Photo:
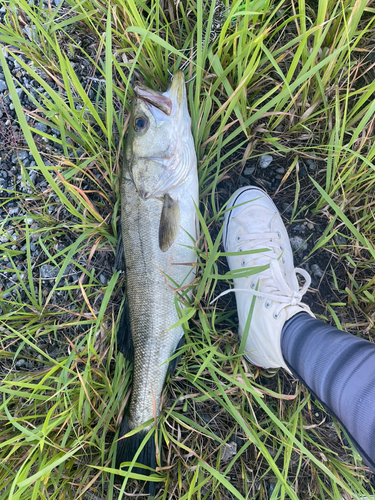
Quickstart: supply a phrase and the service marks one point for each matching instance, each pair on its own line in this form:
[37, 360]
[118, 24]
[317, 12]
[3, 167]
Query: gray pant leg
[339, 369]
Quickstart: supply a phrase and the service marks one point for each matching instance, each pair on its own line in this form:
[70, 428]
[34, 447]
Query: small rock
[20, 94]
[243, 181]
[298, 243]
[22, 155]
[13, 211]
[302, 172]
[3, 86]
[228, 451]
[249, 170]
[102, 279]
[47, 271]
[54, 353]
[265, 160]
[311, 164]
[271, 487]
[339, 240]
[298, 227]
[30, 32]
[310, 225]
[41, 126]
[315, 269]
[20, 363]
[280, 170]
[266, 184]
[32, 247]
[288, 209]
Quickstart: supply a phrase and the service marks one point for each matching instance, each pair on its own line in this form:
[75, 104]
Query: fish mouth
[177, 88]
[167, 102]
[155, 98]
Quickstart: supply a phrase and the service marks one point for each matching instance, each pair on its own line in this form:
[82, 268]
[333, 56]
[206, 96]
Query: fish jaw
[160, 156]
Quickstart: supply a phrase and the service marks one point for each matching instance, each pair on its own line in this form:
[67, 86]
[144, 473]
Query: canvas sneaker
[254, 224]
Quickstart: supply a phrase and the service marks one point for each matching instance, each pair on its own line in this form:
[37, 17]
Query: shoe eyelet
[268, 304]
[243, 263]
[240, 249]
[276, 316]
[261, 298]
[252, 285]
[279, 235]
[238, 238]
[281, 248]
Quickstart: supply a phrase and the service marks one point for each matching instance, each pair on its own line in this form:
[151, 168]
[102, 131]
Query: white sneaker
[254, 223]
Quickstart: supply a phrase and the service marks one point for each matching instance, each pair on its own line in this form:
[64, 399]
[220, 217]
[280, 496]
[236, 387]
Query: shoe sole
[232, 202]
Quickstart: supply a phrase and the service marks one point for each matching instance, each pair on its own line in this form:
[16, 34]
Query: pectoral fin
[169, 223]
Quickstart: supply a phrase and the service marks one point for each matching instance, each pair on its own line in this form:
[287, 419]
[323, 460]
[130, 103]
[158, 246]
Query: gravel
[249, 171]
[311, 164]
[48, 272]
[316, 270]
[20, 177]
[340, 240]
[228, 451]
[265, 161]
[41, 126]
[298, 243]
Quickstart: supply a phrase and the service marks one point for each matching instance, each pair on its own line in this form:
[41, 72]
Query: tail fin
[127, 448]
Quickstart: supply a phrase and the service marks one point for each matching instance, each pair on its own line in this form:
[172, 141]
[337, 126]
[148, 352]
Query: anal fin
[124, 337]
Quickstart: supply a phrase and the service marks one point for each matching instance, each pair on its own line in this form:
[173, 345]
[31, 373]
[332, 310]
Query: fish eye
[140, 123]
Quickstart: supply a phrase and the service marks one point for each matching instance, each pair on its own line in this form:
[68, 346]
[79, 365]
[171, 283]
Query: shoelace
[275, 287]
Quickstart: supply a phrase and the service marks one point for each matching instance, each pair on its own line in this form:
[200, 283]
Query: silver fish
[159, 191]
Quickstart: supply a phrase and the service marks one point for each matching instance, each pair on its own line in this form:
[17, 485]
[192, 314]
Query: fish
[159, 228]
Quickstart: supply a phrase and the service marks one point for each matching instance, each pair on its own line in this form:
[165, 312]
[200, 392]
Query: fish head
[160, 149]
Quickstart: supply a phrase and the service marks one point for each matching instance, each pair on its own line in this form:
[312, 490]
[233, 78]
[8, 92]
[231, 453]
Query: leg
[337, 367]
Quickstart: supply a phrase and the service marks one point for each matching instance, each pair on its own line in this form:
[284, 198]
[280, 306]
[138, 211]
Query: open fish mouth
[167, 102]
[154, 98]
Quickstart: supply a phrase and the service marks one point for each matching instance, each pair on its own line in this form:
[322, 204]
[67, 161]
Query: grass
[291, 78]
